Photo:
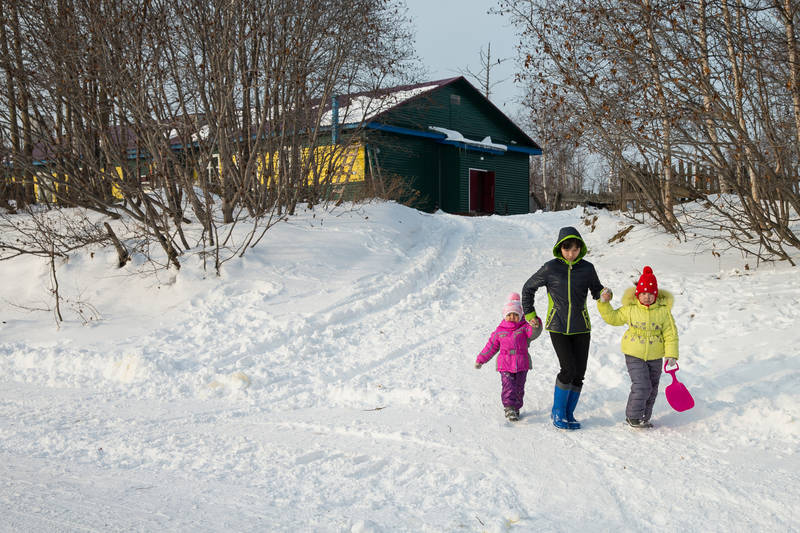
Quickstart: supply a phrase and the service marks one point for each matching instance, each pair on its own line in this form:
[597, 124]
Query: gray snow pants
[645, 376]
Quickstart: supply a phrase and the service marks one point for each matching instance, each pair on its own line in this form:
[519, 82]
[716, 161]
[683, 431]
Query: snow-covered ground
[325, 383]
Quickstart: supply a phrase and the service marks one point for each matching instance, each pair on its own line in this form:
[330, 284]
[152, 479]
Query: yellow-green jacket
[652, 333]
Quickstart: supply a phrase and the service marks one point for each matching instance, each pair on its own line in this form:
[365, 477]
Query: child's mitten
[606, 295]
[536, 324]
[478, 365]
[671, 362]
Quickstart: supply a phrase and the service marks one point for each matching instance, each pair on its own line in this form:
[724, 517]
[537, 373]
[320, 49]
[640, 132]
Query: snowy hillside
[325, 383]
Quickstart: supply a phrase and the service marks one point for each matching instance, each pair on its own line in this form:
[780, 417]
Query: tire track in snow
[350, 330]
[473, 264]
[433, 260]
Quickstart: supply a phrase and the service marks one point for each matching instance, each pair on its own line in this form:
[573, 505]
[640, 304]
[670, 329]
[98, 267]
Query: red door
[487, 205]
[481, 191]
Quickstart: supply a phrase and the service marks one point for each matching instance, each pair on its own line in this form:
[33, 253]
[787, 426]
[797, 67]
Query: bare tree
[653, 83]
[165, 113]
[483, 77]
[560, 168]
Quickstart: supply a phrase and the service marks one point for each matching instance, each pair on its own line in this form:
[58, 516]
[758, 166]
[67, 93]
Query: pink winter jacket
[511, 339]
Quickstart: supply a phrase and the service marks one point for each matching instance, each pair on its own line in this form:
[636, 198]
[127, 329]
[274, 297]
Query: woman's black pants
[573, 353]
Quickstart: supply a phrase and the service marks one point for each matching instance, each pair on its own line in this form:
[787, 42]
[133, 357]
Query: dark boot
[559, 412]
[638, 423]
[572, 401]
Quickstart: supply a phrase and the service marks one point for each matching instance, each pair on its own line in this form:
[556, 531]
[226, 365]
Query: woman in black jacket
[568, 278]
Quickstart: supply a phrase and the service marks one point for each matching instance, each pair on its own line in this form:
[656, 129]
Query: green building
[446, 141]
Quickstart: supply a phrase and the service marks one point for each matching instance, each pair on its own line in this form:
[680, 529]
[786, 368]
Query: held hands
[536, 326]
[671, 362]
[478, 365]
[606, 295]
[534, 320]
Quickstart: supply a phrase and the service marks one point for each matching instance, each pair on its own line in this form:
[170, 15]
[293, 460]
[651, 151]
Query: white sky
[450, 35]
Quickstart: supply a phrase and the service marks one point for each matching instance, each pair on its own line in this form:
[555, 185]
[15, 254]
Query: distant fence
[689, 182]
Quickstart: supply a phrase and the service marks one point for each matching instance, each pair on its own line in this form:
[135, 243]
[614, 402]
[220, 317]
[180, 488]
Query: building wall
[440, 172]
[414, 159]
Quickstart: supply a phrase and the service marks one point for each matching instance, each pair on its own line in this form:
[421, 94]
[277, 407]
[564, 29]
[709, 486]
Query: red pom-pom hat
[647, 282]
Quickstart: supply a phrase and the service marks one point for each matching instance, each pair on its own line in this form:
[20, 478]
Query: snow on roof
[353, 108]
[456, 136]
[364, 107]
[202, 134]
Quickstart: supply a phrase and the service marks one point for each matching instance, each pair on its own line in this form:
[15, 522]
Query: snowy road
[325, 383]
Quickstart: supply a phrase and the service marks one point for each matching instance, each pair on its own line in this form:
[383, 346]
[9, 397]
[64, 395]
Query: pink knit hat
[513, 305]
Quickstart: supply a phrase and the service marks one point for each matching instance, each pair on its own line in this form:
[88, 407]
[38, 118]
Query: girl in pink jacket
[511, 339]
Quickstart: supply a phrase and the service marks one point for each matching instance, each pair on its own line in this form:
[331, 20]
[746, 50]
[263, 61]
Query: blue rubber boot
[572, 400]
[559, 413]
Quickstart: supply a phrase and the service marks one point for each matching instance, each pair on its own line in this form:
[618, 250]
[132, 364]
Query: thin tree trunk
[793, 54]
[24, 108]
[738, 100]
[544, 178]
[666, 124]
[11, 100]
[707, 87]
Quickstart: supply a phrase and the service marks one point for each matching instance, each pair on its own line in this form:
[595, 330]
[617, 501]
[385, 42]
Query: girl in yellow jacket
[651, 336]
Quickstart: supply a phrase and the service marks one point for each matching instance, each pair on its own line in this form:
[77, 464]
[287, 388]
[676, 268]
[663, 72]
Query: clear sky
[450, 35]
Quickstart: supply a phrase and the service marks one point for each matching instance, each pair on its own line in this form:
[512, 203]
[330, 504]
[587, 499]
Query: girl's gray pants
[645, 376]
